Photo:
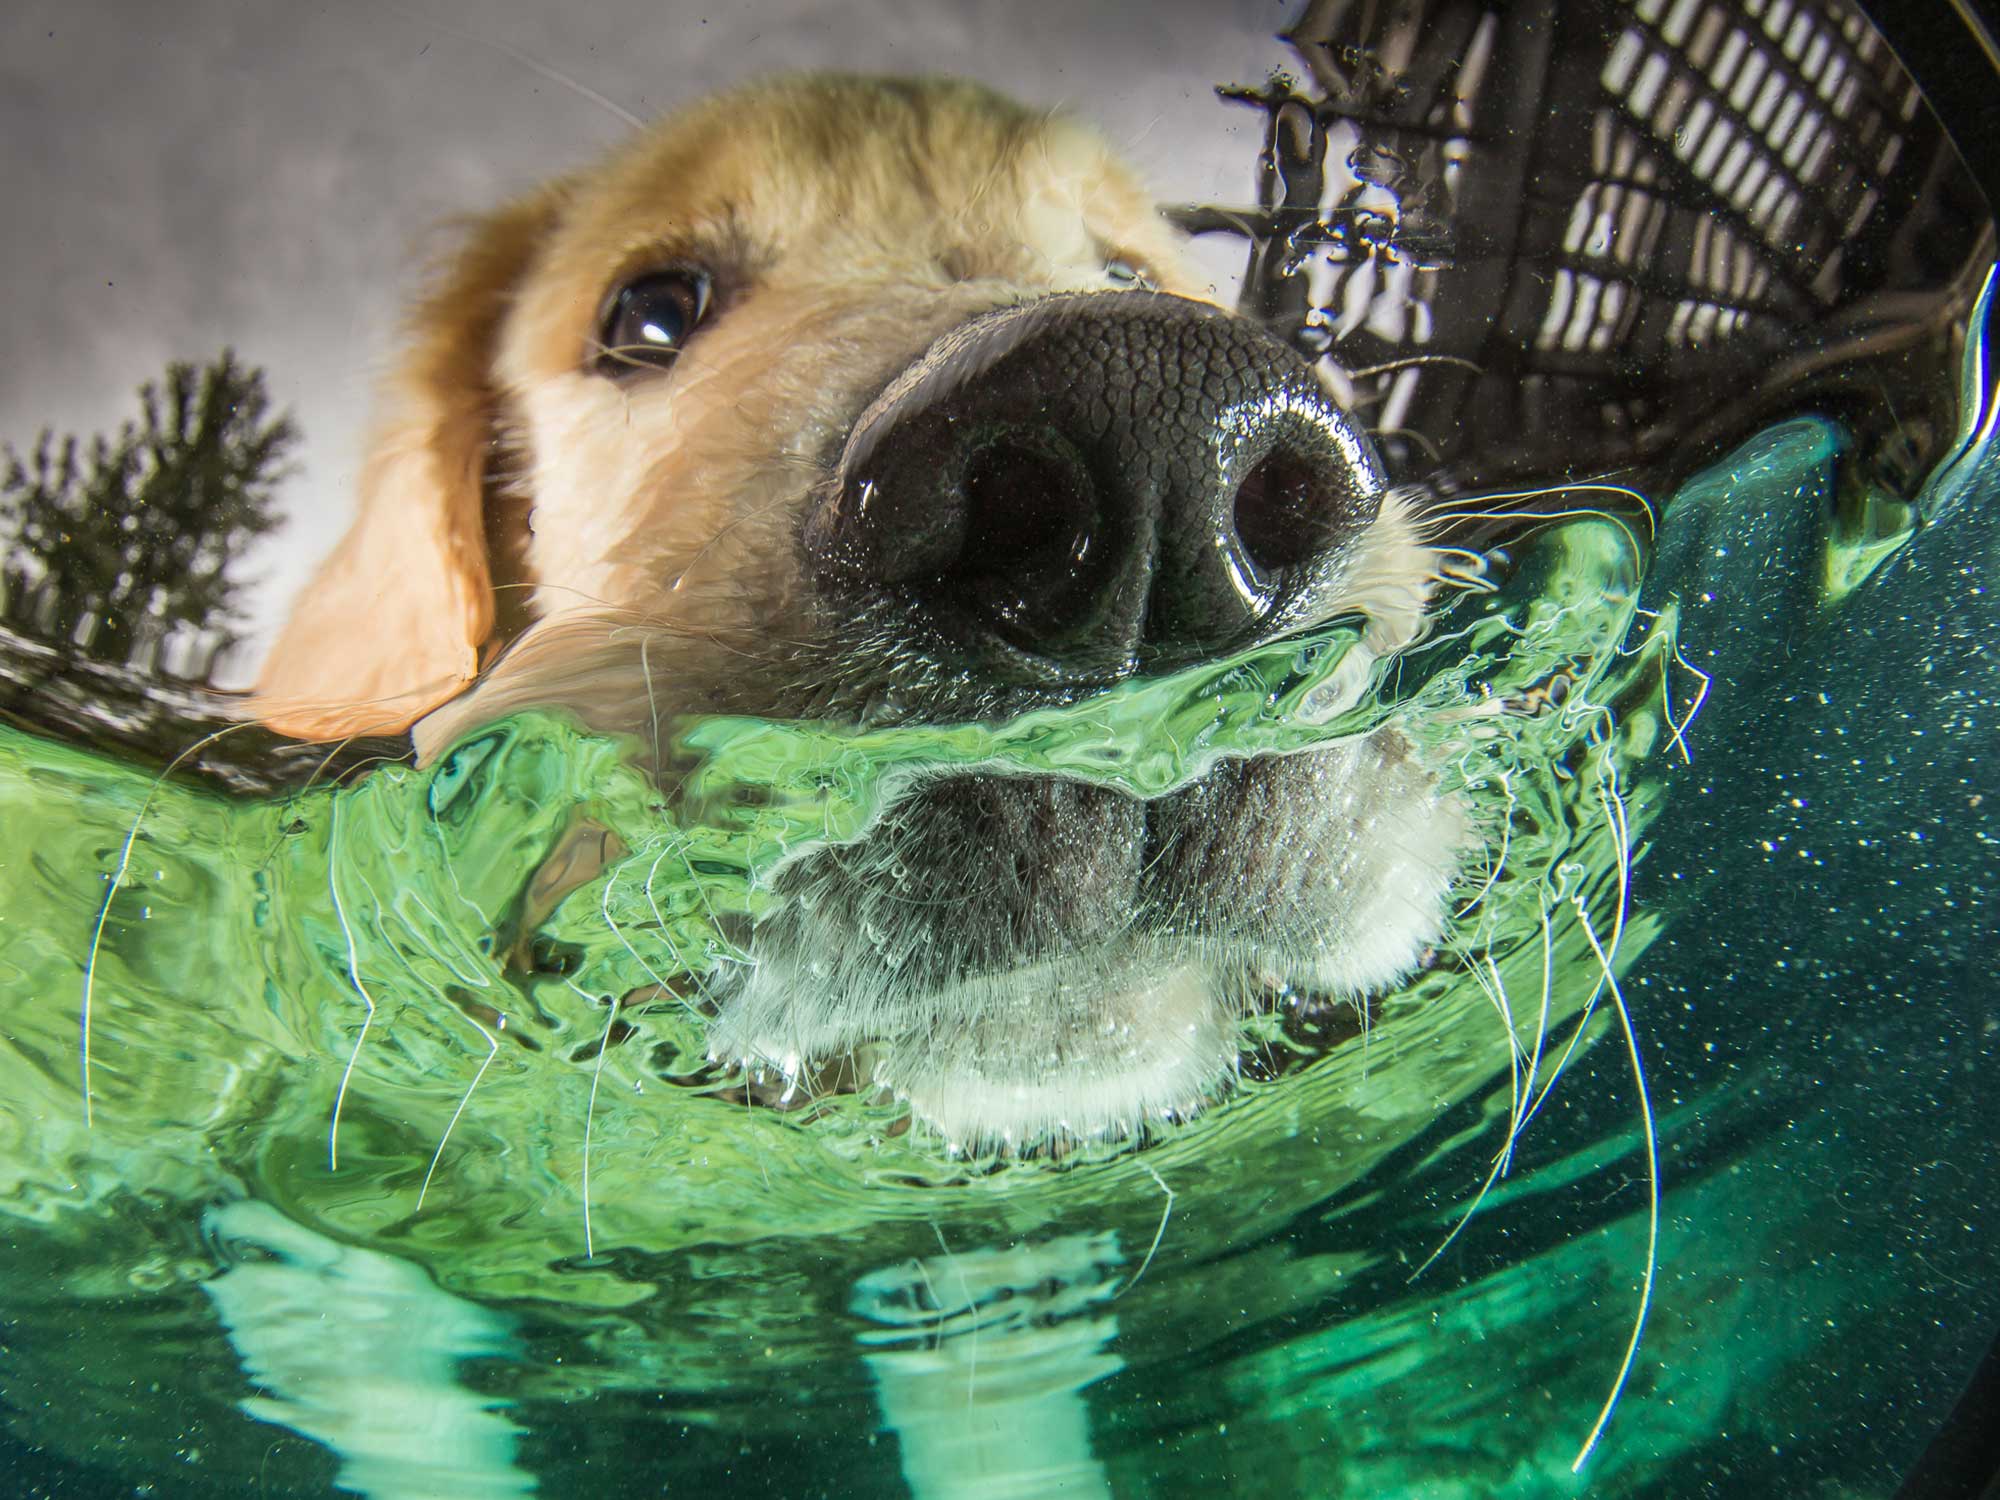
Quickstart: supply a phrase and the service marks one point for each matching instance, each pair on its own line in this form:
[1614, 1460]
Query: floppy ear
[392, 624]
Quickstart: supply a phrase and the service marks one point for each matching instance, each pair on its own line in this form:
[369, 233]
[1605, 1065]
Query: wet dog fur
[545, 521]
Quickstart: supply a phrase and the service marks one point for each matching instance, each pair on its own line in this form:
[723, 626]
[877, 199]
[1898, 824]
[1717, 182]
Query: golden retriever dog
[891, 401]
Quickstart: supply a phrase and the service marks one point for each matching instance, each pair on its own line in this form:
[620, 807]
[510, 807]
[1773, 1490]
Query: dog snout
[1092, 484]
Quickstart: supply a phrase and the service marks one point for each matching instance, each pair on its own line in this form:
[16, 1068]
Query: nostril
[1027, 509]
[1281, 512]
[1030, 566]
[1083, 487]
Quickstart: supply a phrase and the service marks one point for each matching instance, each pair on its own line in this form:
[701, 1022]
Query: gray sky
[179, 175]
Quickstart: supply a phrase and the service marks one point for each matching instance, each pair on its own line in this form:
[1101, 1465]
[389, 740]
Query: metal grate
[1542, 238]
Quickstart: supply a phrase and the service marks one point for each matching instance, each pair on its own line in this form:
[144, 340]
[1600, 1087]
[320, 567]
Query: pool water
[362, 1136]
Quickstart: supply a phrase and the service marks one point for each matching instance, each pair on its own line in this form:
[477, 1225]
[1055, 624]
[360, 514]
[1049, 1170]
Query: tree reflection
[120, 550]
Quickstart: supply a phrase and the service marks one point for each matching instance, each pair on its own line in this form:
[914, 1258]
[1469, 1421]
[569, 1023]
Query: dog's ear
[392, 624]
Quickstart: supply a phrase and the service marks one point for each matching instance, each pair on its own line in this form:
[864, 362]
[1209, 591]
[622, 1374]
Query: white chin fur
[1160, 1047]
[1098, 1045]
[1049, 1051]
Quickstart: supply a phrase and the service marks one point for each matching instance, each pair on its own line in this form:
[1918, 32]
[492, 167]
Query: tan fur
[394, 621]
[858, 220]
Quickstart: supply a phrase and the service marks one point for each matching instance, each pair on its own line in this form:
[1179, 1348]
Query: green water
[396, 977]
[450, 1014]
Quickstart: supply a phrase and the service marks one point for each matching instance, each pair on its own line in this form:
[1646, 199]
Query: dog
[888, 401]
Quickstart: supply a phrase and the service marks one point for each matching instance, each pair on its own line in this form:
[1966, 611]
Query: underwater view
[948, 827]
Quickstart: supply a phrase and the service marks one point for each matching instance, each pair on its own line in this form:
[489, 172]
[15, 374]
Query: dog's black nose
[1091, 483]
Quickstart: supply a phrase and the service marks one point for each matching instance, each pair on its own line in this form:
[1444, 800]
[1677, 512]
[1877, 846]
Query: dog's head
[889, 401]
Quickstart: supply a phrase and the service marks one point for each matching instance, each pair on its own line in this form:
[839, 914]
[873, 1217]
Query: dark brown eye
[650, 320]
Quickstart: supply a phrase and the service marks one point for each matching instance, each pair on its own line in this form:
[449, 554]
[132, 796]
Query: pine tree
[121, 547]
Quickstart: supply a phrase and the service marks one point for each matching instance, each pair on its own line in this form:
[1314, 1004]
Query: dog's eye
[1126, 276]
[649, 320]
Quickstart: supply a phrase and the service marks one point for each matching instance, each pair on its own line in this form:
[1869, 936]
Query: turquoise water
[366, 1136]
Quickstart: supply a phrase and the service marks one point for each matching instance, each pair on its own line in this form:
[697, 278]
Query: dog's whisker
[326, 760]
[1614, 816]
[777, 505]
[353, 773]
[611, 924]
[1411, 362]
[465, 1099]
[531, 63]
[333, 868]
[1651, 1139]
[1410, 434]
[1166, 1213]
[1520, 1119]
[692, 973]
[652, 698]
[1498, 863]
[610, 1004]
[113, 884]
[1492, 507]
[1497, 993]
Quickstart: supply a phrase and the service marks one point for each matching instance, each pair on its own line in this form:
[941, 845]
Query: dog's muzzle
[1090, 485]
[1052, 497]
